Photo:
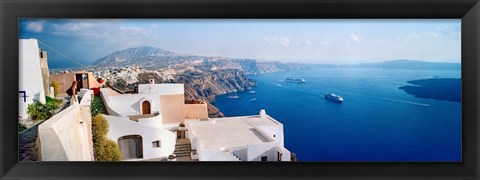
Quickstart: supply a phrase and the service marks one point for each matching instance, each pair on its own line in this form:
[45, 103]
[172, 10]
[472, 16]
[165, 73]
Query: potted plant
[181, 126]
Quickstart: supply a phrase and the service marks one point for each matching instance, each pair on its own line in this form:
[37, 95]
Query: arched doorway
[131, 146]
[146, 107]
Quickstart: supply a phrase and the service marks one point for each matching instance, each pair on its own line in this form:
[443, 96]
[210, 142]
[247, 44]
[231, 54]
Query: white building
[146, 126]
[142, 124]
[246, 138]
[31, 83]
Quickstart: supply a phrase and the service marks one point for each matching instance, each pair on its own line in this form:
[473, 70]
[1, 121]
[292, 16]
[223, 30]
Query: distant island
[411, 64]
[447, 89]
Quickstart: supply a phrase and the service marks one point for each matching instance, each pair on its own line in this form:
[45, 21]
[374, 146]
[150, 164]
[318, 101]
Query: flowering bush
[96, 91]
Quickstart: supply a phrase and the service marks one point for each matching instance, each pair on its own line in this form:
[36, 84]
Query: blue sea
[376, 122]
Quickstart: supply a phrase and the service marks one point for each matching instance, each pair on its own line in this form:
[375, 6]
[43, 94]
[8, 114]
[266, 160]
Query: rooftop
[230, 132]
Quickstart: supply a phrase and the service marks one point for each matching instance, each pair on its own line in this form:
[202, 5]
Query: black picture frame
[467, 10]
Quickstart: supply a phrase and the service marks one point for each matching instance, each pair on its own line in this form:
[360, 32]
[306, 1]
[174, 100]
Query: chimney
[263, 114]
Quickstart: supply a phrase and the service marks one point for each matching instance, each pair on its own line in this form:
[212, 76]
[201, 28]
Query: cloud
[308, 42]
[283, 41]
[355, 38]
[76, 27]
[417, 36]
[35, 26]
[453, 32]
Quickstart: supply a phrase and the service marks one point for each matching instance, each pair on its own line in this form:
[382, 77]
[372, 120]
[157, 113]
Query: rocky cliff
[202, 86]
[253, 66]
[207, 85]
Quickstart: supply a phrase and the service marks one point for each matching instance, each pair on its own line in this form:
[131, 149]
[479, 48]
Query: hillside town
[131, 113]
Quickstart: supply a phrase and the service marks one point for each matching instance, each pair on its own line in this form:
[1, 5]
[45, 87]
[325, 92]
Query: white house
[142, 123]
[244, 138]
[31, 83]
[146, 126]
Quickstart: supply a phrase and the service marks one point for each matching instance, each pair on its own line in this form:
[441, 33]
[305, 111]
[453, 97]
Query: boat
[334, 97]
[233, 95]
[252, 92]
[295, 80]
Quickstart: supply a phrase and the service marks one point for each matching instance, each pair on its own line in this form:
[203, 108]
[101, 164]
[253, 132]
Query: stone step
[178, 146]
[182, 154]
[186, 147]
[183, 149]
[182, 146]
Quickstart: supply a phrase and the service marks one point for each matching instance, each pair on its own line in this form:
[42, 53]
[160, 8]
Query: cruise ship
[295, 80]
[334, 97]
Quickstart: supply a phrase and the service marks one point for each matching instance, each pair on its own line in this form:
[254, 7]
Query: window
[264, 158]
[156, 144]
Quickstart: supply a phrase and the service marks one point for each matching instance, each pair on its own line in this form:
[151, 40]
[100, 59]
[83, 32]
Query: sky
[323, 41]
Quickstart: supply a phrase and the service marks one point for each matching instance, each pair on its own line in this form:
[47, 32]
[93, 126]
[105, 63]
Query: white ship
[334, 97]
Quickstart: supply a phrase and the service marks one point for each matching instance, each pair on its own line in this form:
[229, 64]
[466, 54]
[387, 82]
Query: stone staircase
[236, 157]
[231, 156]
[183, 147]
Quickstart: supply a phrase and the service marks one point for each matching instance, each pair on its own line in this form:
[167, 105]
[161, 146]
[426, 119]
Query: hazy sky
[304, 41]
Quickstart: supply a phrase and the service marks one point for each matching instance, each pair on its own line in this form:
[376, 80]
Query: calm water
[377, 121]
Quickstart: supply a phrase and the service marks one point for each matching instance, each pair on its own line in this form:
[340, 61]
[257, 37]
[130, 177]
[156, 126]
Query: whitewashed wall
[274, 132]
[128, 104]
[119, 127]
[161, 89]
[256, 151]
[67, 136]
[30, 75]
[155, 121]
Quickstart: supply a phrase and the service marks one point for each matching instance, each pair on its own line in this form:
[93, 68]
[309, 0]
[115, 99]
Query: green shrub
[108, 151]
[105, 150]
[100, 128]
[56, 88]
[53, 101]
[97, 106]
[39, 111]
[21, 127]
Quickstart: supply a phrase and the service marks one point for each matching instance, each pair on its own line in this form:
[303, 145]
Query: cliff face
[252, 66]
[207, 86]
[202, 86]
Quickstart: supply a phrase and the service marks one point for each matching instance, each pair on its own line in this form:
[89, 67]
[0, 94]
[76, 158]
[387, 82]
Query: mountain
[135, 55]
[411, 64]
[159, 58]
